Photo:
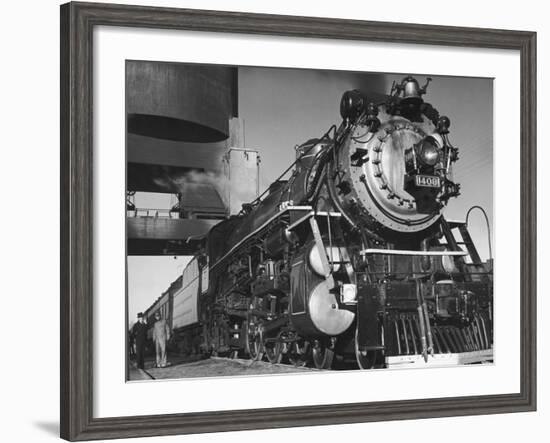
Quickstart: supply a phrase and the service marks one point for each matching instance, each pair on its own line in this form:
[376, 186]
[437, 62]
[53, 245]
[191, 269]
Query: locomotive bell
[411, 91]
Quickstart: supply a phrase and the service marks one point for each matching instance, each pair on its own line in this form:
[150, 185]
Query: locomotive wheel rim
[322, 355]
[299, 354]
[254, 346]
[272, 350]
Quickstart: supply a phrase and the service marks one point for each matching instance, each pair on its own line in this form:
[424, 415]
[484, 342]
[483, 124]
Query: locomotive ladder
[477, 268]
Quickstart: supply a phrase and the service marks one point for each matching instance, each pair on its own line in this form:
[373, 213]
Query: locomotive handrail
[488, 226]
[311, 214]
[266, 223]
[409, 252]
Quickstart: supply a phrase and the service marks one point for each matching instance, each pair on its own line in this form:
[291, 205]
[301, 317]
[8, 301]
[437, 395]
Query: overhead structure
[180, 102]
[178, 130]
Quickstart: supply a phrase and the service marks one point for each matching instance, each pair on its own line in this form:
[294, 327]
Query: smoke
[233, 193]
[217, 180]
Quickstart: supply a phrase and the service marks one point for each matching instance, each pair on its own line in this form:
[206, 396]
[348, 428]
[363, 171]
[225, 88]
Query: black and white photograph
[275, 222]
[268, 222]
[283, 220]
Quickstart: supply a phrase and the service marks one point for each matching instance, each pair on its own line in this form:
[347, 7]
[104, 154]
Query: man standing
[161, 333]
[139, 332]
[132, 342]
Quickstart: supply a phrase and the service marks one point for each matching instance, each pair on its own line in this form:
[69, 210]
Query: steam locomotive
[350, 259]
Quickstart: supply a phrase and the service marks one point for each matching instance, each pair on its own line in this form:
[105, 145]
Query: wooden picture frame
[77, 23]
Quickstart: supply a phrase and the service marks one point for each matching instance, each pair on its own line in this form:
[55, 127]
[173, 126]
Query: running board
[439, 360]
[413, 252]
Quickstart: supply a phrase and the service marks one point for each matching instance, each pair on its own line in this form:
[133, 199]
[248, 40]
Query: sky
[282, 108]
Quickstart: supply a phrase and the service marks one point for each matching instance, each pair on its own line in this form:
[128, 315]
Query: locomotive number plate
[427, 181]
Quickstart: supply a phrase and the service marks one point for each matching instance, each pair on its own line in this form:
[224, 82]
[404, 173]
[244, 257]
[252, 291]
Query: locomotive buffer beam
[440, 360]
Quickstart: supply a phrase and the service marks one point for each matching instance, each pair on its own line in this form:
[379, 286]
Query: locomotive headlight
[429, 151]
